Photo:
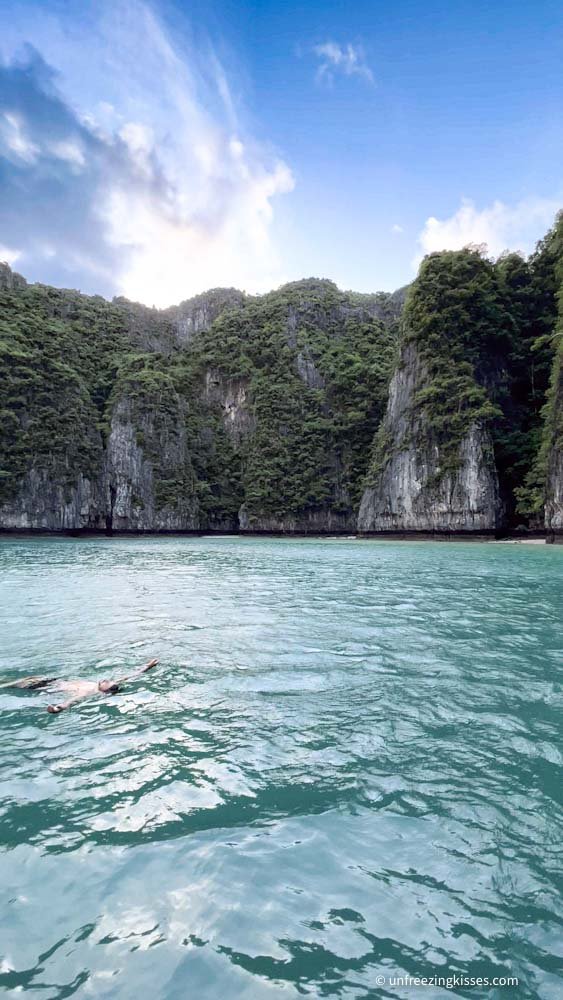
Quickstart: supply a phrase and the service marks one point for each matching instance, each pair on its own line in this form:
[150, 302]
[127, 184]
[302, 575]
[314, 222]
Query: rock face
[125, 494]
[554, 486]
[385, 306]
[308, 372]
[124, 464]
[277, 371]
[44, 504]
[321, 522]
[554, 502]
[131, 493]
[231, 395]
[197, 315]
[409, 492]
[10, 280]
[167, 330]
[231, 412]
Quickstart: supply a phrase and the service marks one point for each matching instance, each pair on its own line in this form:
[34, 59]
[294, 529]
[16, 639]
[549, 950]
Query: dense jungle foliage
[317, 369]
[313, 365]
[67, 360]
[486, 333]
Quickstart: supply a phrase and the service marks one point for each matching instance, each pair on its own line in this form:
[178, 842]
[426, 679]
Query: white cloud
[70, 151]
[140, 142]
[397, 228]
[13, 132]
[349, 60]
[499, 226]
[183, 193]
[9, 256]
[173, 253]
[205, 219]
[15, 137]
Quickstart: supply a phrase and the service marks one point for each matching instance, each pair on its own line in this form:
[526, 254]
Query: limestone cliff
[45, 503]
[106, 423]
[301, 377]
[146, 453]
[320, 522]
[10, 280]
[259, 413]
[434, 464]
[148, 479]
[197, 315]
[167, 330]
[554, 441]
[231, 395]
[226, 411]
[554, 500]
[410, 491]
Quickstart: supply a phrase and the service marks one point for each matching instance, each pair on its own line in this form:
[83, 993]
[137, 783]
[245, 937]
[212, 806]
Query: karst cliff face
[97, 435]
[121, 493]
[224, 413]
[410, 491]
[43, 503]
[306, 410]
[133, 498]
[554, 500]
[434, 466]
[554, 486]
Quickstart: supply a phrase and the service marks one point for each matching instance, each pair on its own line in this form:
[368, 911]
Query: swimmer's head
[108, 687]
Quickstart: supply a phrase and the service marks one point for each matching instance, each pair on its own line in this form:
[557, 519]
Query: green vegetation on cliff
[454, 316]
[545, 389]
[181, 435]
[58, 351]
[275, 403]
[317, 369]
[484, 335]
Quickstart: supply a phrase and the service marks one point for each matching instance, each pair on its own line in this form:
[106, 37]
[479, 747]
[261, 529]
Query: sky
[157, 149]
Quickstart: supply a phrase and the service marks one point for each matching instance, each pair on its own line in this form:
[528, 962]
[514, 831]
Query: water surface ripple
[347, 765]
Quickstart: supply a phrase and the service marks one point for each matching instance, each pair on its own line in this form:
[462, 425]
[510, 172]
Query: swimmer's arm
[55, 709]
[136, 673]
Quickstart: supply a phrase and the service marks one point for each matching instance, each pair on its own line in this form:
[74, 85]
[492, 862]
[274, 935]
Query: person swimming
[76, 689]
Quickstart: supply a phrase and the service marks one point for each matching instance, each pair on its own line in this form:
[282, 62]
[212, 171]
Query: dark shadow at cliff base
[392, 536]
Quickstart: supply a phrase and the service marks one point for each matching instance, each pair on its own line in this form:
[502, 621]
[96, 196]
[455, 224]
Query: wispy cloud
[8, 255]
[499, 226]
[14, 139]
[341, 60]
[396, 228]
[132, 173]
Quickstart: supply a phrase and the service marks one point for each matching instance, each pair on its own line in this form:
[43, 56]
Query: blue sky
[158, 149]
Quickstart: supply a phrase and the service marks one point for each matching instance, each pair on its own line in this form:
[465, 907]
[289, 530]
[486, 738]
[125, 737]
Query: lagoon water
[347, 766]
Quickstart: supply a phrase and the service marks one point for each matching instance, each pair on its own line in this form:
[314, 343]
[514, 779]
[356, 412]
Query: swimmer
[77, 689]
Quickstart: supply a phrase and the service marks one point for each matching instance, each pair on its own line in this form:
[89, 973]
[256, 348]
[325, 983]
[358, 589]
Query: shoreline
[513, 538]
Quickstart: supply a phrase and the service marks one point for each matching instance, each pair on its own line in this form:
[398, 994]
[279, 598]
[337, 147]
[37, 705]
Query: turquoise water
[347, 766]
